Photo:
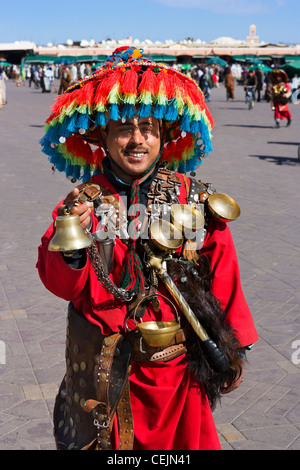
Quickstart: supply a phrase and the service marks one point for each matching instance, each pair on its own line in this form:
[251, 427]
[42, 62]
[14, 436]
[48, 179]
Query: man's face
[134, 144]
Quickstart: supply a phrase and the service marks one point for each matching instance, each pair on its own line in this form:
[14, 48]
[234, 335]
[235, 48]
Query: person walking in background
[206, 83]
[251, 82]
[3, 77]
[65, 81]
[281, 94]
[294, 85]
[259, 85]
[229, 84]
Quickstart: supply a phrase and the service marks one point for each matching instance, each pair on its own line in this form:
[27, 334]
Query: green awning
[263, 68]
[244, 57]
[4, 63]
[292, 68]
[86, 58]
[40, 59]
[163, 58]
[291, 58]
[216, 60]
[66, 59]
[264, 57]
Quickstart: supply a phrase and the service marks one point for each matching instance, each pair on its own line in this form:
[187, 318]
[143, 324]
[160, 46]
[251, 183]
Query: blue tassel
[69, 169]
[72, 127]
[205, 137]
[172, 113]
[100, 119]
[83, 121]
[53, 134]
[44, 141]
[48, 150]
[97, 171]
[64, 131]
[59, 162]
[86, 174]
[195, 127]
[185, 121]
[145, 110]
[114, 112]
[76, 172]
[160, 111]
[128, 111]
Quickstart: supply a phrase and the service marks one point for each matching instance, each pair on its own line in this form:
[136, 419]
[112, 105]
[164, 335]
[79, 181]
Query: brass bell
[165, 236]
[223, 207]
[185, 217]
[69, 234]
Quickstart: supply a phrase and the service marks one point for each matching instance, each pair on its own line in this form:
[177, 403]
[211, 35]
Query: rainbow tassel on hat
[125, 86]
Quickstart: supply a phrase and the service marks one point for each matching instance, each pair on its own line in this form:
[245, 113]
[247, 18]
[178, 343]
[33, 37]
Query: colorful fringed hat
[279, 72]
[127, 85]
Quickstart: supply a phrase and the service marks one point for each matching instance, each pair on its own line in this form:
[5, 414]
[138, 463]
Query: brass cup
[159, 333]
[165, 236]
[223, 207]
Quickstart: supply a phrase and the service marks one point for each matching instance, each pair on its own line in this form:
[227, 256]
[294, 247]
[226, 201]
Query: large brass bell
[223, 207]
[69, 234]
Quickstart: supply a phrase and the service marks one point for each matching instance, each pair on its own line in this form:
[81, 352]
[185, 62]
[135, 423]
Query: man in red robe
[281, 93]
[162, 405]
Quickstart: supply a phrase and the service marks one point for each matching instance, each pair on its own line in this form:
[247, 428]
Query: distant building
[252, 39]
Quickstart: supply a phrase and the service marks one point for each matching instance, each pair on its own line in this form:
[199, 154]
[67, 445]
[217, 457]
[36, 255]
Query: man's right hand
[82, 210]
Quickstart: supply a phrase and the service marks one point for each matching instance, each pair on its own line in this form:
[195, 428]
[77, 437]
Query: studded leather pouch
[96, 382]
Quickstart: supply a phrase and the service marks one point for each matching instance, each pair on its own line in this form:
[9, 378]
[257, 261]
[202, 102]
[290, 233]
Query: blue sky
[58, 20]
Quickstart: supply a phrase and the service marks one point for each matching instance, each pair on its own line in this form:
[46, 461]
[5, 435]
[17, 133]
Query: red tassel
[105, 86]
[129, 82]
[63, 100]
[85, 95]
[76, 146]
[194, 93]
[179, 89]
[148, 82]
[98, 157]
[163, 84]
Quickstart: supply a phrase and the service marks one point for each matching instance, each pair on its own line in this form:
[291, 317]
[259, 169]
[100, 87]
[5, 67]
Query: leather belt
[145, 353]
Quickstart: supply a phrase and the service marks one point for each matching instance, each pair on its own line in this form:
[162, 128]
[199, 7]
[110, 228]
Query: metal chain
[103, 278]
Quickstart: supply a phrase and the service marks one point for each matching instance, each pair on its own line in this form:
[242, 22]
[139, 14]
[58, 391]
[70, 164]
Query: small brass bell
[69, 234]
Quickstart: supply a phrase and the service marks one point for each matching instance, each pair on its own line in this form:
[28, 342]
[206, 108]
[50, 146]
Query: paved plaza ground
[254, 163]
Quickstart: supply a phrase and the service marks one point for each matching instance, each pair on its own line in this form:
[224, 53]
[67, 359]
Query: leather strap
[125, 420]
[145, 353]
[103, 409]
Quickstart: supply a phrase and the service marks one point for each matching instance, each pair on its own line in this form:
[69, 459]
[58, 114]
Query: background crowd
[41, 76]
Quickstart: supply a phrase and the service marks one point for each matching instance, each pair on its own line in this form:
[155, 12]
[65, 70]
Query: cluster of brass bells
[70, 236]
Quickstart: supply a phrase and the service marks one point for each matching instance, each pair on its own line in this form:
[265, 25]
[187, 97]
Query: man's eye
[146, 128]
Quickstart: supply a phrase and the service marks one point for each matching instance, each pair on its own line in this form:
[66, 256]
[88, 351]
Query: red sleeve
[54, 272]
[226, 285]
